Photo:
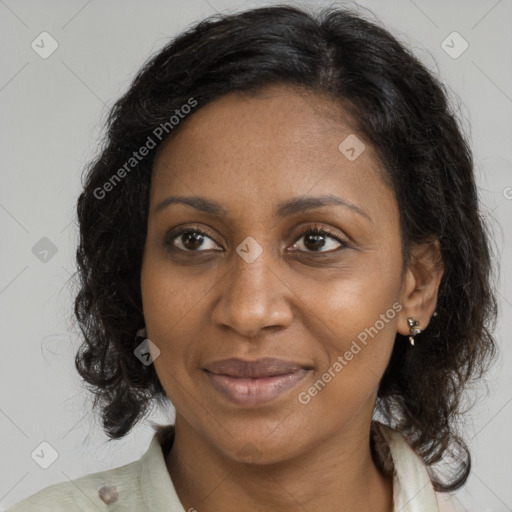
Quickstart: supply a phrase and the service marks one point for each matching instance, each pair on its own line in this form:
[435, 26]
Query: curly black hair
[404, 111]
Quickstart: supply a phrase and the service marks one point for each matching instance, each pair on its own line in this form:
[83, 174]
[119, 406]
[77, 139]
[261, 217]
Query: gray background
[52, 112]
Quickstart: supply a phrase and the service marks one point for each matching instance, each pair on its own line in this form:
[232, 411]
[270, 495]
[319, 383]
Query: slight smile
[253, 383]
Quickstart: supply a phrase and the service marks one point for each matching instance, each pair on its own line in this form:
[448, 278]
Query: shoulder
[93, 492]
[89, 493]
[412, 486]
[142, 485]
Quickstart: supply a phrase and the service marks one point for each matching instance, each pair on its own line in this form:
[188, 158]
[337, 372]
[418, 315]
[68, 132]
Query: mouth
[252, 383]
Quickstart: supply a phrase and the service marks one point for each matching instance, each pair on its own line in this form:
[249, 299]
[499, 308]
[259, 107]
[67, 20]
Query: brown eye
[316, 240]
[190, 240]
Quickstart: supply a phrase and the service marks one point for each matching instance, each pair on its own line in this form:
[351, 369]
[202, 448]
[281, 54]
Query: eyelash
[312, 230]
[316, 230]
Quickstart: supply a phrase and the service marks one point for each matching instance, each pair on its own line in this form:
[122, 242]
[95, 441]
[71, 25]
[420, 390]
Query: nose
[253, 298]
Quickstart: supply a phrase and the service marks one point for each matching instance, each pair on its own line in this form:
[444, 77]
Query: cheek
[352, 301]
[356, 346]
[354, 318]
[172, 302]
[170, 297]
[165, 303]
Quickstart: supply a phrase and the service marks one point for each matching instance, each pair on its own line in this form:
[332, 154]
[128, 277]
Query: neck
[337, 474]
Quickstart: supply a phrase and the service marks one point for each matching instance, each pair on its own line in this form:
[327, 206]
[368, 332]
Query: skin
[297, 301]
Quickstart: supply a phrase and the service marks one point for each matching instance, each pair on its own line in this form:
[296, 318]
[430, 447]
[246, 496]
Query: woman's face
[250, 176]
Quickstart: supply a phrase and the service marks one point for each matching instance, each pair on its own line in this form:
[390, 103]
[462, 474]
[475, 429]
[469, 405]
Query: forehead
[282, 142]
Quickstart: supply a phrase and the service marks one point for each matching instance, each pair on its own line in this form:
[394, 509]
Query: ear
[420, 285]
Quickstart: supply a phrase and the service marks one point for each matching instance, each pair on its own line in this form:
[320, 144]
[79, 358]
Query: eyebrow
[286, 209]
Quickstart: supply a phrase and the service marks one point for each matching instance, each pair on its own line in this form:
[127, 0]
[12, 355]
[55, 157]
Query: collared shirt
[146, 486]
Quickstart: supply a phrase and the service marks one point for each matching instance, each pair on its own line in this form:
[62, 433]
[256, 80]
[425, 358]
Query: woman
[282, 238]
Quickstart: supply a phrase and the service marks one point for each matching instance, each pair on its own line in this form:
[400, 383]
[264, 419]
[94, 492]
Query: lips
[251, 383]
[267, 367]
